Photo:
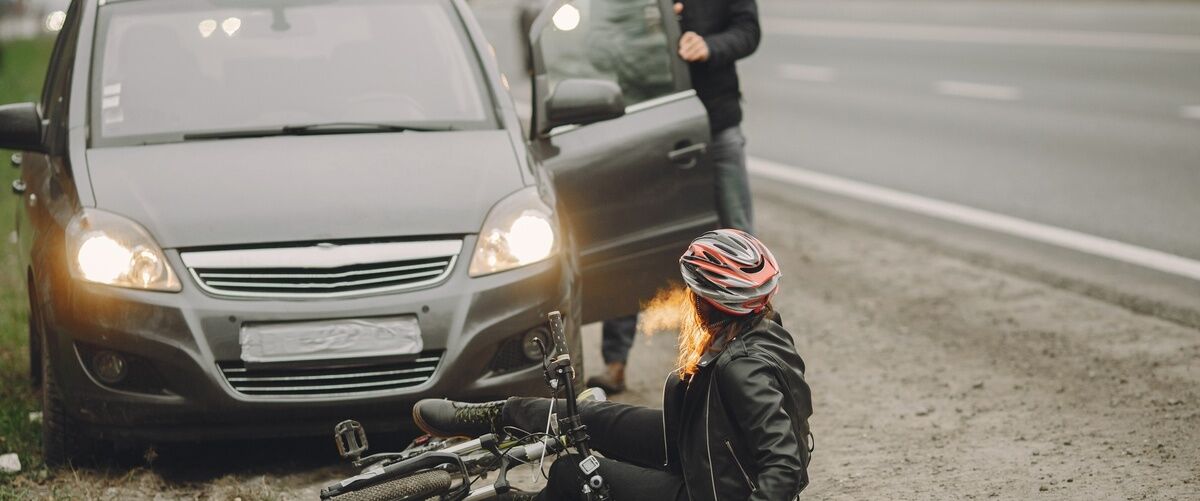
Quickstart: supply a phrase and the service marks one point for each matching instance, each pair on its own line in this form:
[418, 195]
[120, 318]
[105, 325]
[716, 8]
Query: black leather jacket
[731, 30]
[739, 429]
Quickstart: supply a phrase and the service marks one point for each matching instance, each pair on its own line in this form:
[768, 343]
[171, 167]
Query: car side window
[623, 41]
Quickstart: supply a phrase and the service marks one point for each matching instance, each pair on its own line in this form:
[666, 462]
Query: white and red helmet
[731, 270]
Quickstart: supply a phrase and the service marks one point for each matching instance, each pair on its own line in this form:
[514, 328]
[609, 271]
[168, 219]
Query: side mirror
[578, 101]
[21, 127]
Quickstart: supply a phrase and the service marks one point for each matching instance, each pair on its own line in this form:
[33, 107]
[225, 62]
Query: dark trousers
[617, 338]
[734, 206]
[630, 438]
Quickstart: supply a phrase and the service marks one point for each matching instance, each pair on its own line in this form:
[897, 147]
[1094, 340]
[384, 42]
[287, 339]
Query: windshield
[169, 68]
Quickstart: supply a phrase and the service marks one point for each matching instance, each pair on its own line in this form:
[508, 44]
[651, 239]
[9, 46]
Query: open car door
[617, 123]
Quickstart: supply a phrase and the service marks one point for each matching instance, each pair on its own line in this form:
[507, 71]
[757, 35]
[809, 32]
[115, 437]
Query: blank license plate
[330, 340]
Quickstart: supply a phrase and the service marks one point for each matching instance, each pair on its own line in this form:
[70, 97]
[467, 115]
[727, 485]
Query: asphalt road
[1076, 114]
[1081, 115]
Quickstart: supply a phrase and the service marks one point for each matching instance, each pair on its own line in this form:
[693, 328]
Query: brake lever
[547, 372]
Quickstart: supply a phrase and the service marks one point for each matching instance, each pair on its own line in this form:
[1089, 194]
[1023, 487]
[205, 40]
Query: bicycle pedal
[351, 439]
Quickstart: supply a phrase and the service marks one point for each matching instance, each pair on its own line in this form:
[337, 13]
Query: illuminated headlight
[520, 230]
[108, 249]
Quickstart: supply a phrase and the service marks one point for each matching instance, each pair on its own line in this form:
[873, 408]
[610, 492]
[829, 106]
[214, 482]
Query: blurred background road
[1082, 115]
[1077, 114]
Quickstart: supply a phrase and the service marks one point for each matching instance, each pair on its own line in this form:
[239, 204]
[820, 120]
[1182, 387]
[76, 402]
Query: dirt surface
[933, 378]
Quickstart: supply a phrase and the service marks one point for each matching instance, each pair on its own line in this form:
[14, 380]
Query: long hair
[702, 324]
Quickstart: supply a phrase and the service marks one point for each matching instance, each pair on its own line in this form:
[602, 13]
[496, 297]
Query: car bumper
[183, 337]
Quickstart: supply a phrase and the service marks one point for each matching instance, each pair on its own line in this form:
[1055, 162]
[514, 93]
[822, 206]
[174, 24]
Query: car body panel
[307, 188]
[633, 207]
[187, 334]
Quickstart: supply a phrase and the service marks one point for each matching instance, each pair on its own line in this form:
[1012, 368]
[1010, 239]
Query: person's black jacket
[740, 427]
[730, 28]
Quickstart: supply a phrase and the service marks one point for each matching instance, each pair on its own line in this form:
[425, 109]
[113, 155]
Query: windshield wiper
[313, 129]
[352, 127]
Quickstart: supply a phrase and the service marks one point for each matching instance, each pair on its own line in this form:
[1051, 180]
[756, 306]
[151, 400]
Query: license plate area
[330, 341]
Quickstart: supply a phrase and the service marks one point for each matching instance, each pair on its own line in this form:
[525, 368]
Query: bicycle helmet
[731, 270]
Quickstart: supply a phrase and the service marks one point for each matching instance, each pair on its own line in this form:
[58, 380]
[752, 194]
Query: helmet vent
[756, 268]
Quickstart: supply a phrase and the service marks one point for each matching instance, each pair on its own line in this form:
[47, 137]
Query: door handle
[686, 155]
[18, 187]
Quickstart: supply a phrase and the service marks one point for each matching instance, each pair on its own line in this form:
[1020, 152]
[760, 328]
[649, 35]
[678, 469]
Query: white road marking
[977, 90]
[1070, 239]
[982, 34]
[1190, 112]
[806, 73]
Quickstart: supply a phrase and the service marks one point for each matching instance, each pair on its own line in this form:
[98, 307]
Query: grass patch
[22, 70]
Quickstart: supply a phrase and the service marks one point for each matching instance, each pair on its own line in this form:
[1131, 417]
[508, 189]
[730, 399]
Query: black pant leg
[628, 433]
[617, 338]
[626, 482]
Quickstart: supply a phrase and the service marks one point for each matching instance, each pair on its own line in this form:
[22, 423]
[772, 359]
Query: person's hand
[678, 8]
[692, 47]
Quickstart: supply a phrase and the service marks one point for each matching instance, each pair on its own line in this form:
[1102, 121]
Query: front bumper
[184, 336]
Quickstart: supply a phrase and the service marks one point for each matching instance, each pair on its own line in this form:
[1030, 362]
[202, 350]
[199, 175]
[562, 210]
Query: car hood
[303, 188]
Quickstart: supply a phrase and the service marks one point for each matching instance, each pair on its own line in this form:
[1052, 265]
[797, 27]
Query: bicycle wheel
[415, 487]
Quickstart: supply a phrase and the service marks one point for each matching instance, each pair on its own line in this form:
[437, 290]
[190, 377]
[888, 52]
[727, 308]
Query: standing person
[734, 423]
[717, 33]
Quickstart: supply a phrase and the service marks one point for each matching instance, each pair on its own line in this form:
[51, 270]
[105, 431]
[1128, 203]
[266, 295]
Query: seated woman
[734, 423]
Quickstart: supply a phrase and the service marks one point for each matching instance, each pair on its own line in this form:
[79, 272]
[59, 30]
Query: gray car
[257, 217]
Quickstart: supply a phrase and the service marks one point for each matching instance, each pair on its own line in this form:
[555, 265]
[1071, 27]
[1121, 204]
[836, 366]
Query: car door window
[623, 41]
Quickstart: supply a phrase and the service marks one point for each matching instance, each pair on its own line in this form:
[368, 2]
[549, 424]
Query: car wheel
[576, 315]
[35, 341]
[63, 442]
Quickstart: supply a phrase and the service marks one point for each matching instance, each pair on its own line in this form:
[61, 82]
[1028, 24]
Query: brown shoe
[612, 381]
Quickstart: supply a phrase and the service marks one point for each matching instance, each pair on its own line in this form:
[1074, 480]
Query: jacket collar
[714, 351]
[719, 346]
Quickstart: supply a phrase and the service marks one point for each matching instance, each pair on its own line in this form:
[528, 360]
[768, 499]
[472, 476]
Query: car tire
[63, 442]
[35, 341]
[576, 315]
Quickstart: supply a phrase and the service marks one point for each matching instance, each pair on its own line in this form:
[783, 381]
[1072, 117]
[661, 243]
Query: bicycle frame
[471, 457]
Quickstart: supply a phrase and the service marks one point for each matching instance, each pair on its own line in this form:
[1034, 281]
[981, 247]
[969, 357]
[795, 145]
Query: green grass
[22, 69]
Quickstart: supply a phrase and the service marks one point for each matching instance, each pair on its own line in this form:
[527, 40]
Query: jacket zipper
[666, 451]
[729, 446]
[707, 437]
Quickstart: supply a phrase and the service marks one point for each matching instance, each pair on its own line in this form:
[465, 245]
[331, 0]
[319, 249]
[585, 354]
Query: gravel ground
[933, 378]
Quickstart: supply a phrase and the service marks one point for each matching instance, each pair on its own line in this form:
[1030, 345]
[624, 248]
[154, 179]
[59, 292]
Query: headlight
[108, 249]
[519, 230]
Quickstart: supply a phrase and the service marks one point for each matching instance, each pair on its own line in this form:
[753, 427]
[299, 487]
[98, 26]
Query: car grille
[324, 270]
[330, 381]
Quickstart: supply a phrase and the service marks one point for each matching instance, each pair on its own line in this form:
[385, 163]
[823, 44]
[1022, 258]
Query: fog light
[529, 344]
[110, 367]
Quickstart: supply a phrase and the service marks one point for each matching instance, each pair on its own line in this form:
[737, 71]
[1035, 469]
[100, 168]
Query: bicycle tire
[418, 486]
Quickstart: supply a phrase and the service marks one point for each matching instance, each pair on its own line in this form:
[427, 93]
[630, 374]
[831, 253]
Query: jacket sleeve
[738, 40]
[753, 395]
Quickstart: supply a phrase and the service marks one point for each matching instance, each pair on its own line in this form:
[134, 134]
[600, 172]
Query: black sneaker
[447, 418]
